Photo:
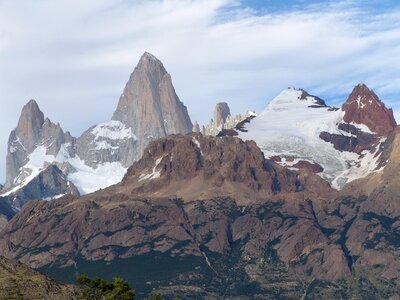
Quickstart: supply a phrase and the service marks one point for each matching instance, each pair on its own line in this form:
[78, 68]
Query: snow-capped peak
[302, 127]
[292, 98]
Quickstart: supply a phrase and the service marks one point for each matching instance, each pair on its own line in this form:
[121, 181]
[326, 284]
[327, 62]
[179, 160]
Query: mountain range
[296, 202]
[147, 110]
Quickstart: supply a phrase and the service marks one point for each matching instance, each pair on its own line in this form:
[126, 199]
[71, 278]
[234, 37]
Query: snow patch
[251, 113]
[114, 130]
[197, 143]
[54, 197]
[362, 127]
[89, 180]
[154, 174]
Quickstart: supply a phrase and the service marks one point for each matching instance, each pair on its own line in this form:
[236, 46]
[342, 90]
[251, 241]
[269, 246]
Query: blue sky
[293, 5]
[74, 57]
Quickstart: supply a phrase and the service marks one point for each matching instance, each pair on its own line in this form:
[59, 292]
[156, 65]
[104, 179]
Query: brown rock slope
[197, 167]
[207, 217]
[373, 238]
[17, 281]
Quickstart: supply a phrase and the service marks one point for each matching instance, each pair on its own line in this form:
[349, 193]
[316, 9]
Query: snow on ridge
[114, 130]
[362, 127]
[290, 126]
[85, 178]
[54, 197]
[35, 165]
[289, 99]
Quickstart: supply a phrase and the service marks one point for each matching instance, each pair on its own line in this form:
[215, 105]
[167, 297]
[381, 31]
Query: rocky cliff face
[221, 113]
[148, 109]
[150, 106]
[364, 107]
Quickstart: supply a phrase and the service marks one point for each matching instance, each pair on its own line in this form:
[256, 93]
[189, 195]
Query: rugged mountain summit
[48, 184]
[364, 107]
[223, 121]
[32, 131]
[338, 144]
[194, 167]
[221, 113]
[149, 104]
[30, 125]
[148, 109]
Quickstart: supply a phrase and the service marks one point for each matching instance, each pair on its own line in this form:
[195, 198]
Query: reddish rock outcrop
[364, 107]
[312, 167]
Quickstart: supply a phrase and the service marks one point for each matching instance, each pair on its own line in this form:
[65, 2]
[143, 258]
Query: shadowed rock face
[364, 107]
[50, 183]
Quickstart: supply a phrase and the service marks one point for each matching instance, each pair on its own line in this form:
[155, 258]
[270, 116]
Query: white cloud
[74, 57]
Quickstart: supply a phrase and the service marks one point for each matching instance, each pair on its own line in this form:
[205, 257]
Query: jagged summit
[149, 104]
[148, 56]
[363, 106]
[29, 124]
[292, 98]
[147, 110]
[297, 128]
[221, 112]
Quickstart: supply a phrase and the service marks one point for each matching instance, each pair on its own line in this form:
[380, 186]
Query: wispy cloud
[74, 57]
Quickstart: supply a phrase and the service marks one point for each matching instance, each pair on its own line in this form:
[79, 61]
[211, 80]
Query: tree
[100, 289]
[155, 296]
[158, 296]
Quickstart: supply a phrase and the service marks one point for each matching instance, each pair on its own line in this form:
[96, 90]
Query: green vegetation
[119, 289]
[100, 289]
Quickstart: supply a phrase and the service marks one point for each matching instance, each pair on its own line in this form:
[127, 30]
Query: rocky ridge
[224, 122]
[268, 231]
[339, 144]
[363, 106]
[49, 184]
[148, 109]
